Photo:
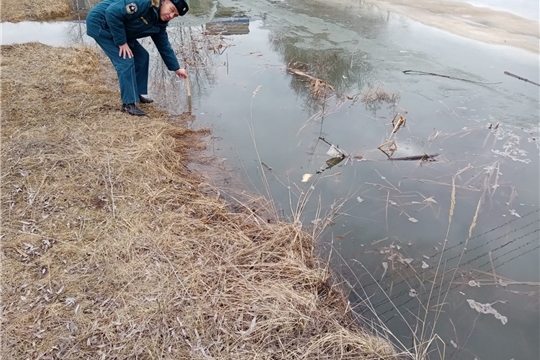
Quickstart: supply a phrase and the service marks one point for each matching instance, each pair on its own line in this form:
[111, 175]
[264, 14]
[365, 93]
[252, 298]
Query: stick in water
[520, 78]
[188, 94]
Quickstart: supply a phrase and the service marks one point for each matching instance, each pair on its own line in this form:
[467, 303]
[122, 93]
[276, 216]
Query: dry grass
[15, 11]
[375, 95]
[110, 249]
[319, 88]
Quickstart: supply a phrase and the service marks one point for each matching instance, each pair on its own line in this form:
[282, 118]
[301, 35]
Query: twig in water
[520, 78]
[391, 146]
[266, 166]
[400, 122]
[425, 157]
[446, 76]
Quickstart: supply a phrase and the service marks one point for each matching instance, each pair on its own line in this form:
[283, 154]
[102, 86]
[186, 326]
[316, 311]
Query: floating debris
[401, 121]
[334, 152]
[453, 343]
[474, 283]
[318, 86]
[388, 148]
[424, 265]
[385, 267]
[514, 212]
[487, 309]
[333, 161]
[413, 220]
[359, 199]
[306, 177]
[407, 261]
[413, 293]
[424, 157]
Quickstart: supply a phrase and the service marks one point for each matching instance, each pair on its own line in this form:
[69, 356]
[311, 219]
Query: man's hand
[125, 50]
[181, 73]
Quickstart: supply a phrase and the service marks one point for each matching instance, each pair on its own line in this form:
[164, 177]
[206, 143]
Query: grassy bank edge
[110, 246]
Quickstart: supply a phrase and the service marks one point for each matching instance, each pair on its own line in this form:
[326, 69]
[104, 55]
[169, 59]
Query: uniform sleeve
[163, 45]
[121, 11]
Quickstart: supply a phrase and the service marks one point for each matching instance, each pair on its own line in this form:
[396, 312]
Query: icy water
[524, 8]
[425, 242]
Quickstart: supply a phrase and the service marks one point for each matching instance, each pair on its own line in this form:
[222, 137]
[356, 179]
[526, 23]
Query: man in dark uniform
[117, 24]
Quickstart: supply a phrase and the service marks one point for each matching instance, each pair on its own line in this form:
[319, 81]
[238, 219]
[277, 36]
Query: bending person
[117, 24]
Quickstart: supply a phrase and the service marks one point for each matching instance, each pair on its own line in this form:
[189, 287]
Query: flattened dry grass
[111, 250]
[26, 10]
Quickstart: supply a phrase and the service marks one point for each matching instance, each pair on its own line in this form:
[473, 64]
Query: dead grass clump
[319, 88]
[110, 250]
[15, 11]
[375, 95]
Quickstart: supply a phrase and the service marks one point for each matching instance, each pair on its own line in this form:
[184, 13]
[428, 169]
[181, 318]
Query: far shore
[483, 24]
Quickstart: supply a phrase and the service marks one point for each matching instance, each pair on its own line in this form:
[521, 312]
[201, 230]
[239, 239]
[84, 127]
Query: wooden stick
[417, 157]
[409, 72]
[520, 78]
[188, 93]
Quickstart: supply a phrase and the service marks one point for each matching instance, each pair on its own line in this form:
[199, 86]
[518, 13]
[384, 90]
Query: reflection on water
[52, 33]
[228, 21]
[198, 54]
[341, 70]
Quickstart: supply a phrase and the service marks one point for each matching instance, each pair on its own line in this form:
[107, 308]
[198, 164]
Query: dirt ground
[112, 248]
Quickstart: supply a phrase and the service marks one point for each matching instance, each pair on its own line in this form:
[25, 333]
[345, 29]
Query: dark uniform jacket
[127, 20]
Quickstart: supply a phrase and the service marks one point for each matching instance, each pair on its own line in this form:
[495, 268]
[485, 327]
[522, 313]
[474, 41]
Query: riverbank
[477, 23]
[112, 248]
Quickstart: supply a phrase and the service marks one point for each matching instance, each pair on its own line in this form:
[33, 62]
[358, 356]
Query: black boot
[145, 99]
[132, 109]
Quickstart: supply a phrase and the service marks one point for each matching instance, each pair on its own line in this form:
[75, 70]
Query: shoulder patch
[131, 8]
[155, 3]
